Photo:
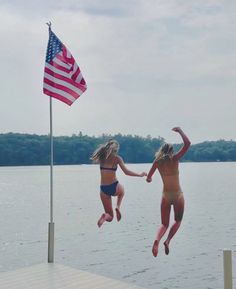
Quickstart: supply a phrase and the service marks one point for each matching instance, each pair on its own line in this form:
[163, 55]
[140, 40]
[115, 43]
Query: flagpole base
[228, 278]
[50, 242]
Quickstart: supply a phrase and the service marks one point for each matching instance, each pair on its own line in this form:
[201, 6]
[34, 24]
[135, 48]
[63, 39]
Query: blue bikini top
[108, 169]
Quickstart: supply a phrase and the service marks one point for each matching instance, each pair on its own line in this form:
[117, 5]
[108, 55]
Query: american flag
[62, 76]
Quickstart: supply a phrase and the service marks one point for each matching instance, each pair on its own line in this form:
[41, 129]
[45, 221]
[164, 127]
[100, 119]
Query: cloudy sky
[149, 65]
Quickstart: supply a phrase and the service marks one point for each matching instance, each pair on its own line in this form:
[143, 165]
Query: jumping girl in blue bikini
[107, 156]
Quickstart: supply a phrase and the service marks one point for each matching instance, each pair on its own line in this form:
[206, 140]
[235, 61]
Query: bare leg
[179, 211]
[107, 204]
[165, 216]
[120, 194]
[118, 214]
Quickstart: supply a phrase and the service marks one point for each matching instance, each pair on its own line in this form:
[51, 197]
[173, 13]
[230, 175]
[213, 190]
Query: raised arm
[151, 172]
[126, 171]
[186, 144]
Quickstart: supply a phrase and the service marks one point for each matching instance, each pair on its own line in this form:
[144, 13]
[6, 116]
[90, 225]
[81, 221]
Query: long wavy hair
[164, 153]
[105, 150]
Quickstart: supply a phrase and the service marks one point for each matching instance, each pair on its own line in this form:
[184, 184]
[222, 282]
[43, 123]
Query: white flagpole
[51, 224]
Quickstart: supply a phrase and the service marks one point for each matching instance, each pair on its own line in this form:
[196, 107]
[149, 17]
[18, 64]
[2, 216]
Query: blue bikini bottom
[109, 190]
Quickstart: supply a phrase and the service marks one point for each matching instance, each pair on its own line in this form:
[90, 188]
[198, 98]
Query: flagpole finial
[49, 24]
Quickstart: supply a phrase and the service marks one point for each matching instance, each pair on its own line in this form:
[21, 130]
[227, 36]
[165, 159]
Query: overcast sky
[149, 65]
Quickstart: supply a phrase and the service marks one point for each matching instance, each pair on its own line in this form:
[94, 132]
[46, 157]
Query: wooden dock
[55, 276]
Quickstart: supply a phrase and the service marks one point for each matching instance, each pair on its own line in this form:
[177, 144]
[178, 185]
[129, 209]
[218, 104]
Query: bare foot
[155, 248]
[101, 220]
[118, 214]
[166, 248]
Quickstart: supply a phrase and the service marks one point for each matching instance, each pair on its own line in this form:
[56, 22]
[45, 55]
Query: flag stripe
[59, 92]
[59, 67]
[62, 63]
[50, 74]
[73, 93]
[66, 59]
[55, 69]
[68, 56]
[79, 77]
[76, 72]
[58, 96]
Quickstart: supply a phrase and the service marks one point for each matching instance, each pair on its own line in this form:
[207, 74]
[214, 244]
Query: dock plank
[57, 276]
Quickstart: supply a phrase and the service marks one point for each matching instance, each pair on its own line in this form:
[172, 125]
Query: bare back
[108, 170]
[169, 171]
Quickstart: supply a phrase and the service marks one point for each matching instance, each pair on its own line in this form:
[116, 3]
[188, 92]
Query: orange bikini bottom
[172, 197]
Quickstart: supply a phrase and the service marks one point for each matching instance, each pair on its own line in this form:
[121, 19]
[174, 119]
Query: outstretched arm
[151, 172]
[186, 144]
[127, 171]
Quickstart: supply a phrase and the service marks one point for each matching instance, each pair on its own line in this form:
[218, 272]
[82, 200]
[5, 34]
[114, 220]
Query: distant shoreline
[18, 149]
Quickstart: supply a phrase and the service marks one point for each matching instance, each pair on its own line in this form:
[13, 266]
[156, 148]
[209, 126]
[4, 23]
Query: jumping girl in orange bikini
[167, 163]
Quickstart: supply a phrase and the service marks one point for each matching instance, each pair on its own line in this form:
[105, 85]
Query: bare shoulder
[177, 157]
[118, 159]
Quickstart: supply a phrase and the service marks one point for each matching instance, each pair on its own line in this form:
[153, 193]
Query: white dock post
[228, 278]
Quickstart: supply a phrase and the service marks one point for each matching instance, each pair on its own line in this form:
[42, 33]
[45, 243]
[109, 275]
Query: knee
[178, 218]
[122, 192]
[165, 224]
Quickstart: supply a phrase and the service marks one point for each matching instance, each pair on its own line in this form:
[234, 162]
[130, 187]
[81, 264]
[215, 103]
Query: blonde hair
[105, 150]
[164, 153]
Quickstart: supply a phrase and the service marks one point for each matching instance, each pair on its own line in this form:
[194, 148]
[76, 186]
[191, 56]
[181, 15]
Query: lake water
[120, 250]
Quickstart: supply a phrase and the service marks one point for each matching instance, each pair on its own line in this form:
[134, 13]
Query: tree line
[17, 149]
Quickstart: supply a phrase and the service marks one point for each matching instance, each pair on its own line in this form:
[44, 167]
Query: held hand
[148, 180]
[143, 174]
